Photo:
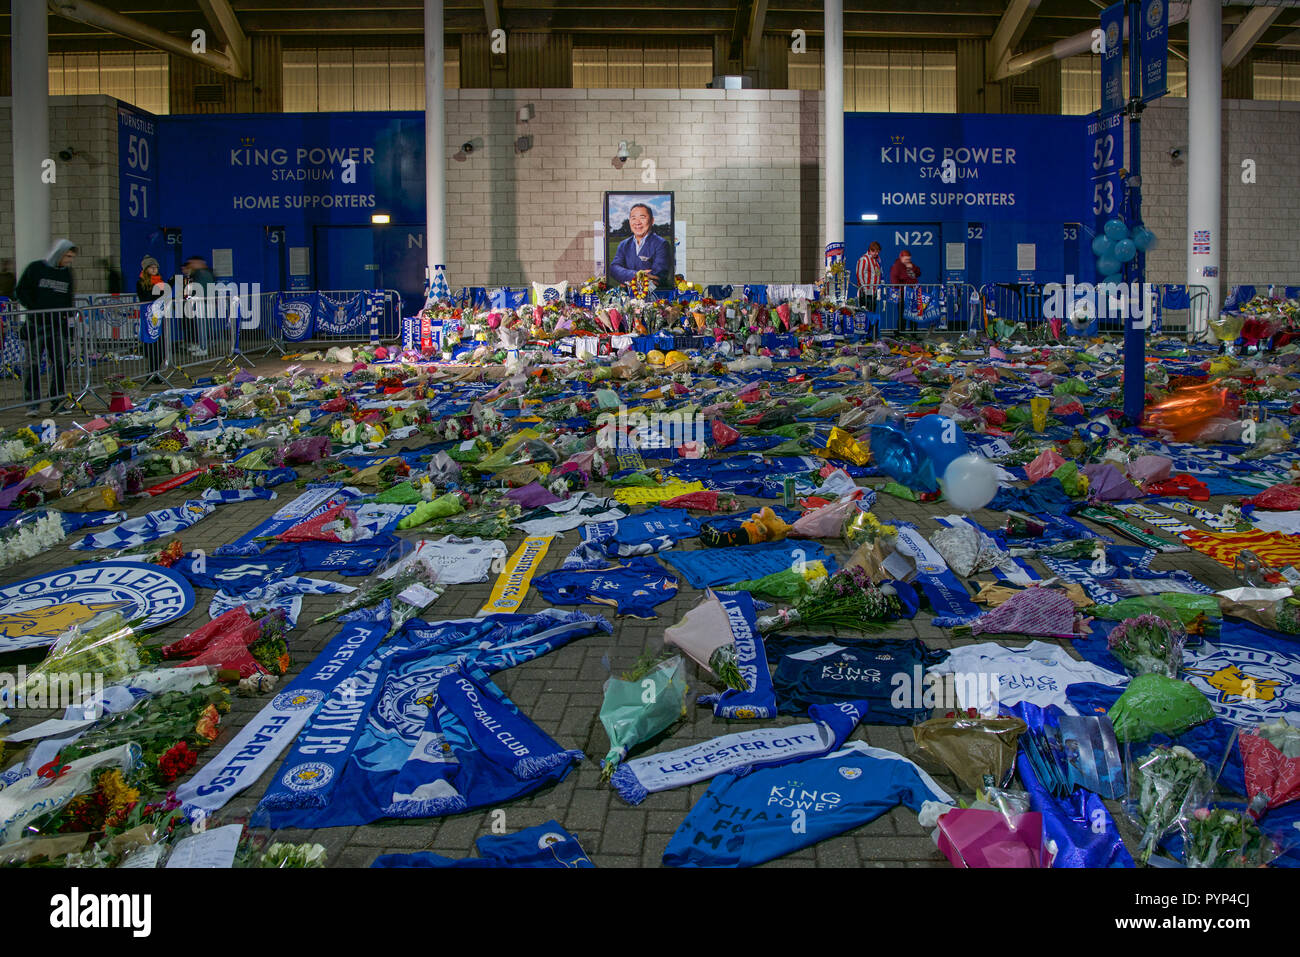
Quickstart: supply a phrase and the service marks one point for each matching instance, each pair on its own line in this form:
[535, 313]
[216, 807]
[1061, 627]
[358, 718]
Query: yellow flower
[117, 795]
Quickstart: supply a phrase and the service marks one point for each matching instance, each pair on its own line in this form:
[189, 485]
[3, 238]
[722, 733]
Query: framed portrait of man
[639, 236]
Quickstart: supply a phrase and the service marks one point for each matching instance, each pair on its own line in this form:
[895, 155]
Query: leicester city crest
[297, 700]
[295, 318]
[1155, 9]
[308, 777]
[850, 774]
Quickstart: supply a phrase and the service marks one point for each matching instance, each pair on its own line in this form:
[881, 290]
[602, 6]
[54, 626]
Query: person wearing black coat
[46, 284]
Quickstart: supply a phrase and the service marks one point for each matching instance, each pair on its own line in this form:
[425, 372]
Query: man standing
[643, 250]
[199, 283]
[870, 275]
[46, 284]
[904, 272]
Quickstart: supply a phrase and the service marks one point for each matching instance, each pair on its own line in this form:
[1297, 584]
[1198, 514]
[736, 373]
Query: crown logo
[247, 141]
[896, 140]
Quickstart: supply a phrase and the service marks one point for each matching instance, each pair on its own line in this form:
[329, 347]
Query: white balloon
[970, 482]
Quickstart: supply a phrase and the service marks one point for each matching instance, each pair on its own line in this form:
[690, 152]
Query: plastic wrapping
[1151, 643]
[1165, 785]
[1157, 704]
[640, 705]
[980, 751]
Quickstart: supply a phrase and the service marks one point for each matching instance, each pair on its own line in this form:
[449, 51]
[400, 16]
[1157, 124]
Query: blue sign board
[1112, 59]
[1155, 49]
[138, 194]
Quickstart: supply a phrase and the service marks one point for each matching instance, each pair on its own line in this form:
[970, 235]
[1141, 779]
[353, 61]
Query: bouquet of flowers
[164, 555]
[1148, 643]
[1168, 781]
[631, 716]
[1224, 838]
[228, 478]
[29, 536]
[391, 584]
[863, 528]
[847, 599]
[105, 645]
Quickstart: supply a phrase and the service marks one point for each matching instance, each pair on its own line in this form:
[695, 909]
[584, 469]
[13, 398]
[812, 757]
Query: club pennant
[512, 584]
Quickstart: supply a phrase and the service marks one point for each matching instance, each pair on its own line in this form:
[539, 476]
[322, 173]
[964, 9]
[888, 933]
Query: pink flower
[1201, 814]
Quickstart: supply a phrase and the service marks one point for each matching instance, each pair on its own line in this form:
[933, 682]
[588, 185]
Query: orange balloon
[1188, 409]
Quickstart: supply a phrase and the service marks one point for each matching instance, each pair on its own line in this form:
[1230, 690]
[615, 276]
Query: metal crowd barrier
[923, 308]
[40, 358]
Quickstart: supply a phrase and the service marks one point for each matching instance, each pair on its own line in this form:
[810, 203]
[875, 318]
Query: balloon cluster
[935, 447]
[1116, 245]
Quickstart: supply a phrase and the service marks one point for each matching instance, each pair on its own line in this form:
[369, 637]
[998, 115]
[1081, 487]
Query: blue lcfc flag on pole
[151, 317]
[1155, 49]
[295, 314]
[1112, 59]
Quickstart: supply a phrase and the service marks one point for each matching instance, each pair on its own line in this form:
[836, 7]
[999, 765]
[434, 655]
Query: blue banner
[1106, 155]
[151, 317]
[1112, 59]
[341, 316]
[1155, 49]
[295, 314]
[138, 197]
[928, 168]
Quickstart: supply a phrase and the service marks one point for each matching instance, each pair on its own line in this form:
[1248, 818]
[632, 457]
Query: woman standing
[149, 288]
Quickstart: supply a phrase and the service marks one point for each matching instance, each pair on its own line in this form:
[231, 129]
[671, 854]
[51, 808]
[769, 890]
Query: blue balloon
[1107, 265]
[1126, 250]
[1144, 239]
[938, 438]
[1102, 245]
[1116, 230]
[895, 455]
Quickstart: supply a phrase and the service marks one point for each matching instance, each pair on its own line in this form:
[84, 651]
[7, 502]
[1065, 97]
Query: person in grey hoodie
[46, 284]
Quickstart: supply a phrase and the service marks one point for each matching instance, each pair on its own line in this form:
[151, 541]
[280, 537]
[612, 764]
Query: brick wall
[733, 158]
[85, 192]
[1260, 220]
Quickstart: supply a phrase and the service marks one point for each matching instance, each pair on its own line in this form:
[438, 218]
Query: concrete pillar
[31, 132]
[435, 147]
[833, 121]
[1204, 141]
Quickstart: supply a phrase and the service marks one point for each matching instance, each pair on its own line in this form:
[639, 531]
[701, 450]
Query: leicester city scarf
[712, 567]
[948, 597]
[379, 741]
[260, 742]
[738, 753]
[225, 496]
[285, 594]
[148, 528]
[759, 701]
[546, 845]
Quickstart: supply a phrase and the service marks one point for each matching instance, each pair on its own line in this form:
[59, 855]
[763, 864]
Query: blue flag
[710, 567]
[546, 845]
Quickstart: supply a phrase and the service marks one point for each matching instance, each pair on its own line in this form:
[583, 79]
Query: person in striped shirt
[870, 275]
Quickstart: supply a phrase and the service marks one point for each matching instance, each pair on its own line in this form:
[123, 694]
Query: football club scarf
[72, 521]
[1155, 518]
[738, 753]
[148, 528]
[1129, 530]
[512, 584]
[285, 594]
[175, 482]
[349, 559]
[546, 845]
[759, 698]
[746, 820]
[257, 745]
[448, 766]
[1212, 519]
[948, 597]
[1275, 548]
[315, 500]
[714, 567]
[635, 495]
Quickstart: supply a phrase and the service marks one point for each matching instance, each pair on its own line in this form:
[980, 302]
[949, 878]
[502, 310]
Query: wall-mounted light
[526, 113]
[380, 219]
[870, 217]
[622, 151]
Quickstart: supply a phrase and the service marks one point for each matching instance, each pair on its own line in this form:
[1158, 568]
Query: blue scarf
[759, 701]
[710, 567]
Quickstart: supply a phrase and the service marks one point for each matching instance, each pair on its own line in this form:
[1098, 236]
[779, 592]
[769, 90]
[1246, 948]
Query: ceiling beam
[110, 21]
[492, 14]
[226, 26]
[1010, 29]
[757, 14]
[1247, 33]
[1289, 41]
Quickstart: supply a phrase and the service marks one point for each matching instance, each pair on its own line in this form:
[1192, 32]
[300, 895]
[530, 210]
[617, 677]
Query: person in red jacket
[904, 272]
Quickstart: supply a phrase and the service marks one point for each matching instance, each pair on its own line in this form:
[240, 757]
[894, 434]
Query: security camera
[467, 147]
[67, 154]
[1176, 153]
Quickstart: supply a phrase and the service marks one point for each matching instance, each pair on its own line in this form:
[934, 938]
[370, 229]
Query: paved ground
[562, 692]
